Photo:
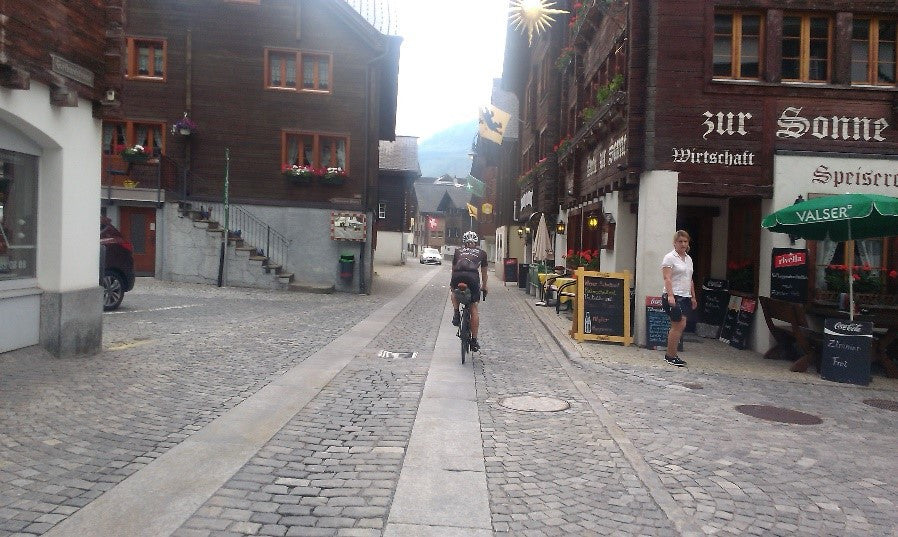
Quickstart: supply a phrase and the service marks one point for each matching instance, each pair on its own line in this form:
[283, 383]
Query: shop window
[117, 135]
[146, 58]
[807, 42]
[873, 51]
[737, 45]
[282, 66]
[873, 266]
[318, 150]
[18, 215]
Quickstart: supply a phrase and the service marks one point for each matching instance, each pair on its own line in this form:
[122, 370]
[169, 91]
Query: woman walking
[679, 293]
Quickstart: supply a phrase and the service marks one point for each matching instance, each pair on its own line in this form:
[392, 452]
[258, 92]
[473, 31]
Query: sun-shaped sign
[532, 15]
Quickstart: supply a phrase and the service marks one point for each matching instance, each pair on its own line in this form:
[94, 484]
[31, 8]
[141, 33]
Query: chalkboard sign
[729, 320]
[847, 350]
[657, 324]
[603, 306]
[742, 328]
[789, 274]
[510, 265]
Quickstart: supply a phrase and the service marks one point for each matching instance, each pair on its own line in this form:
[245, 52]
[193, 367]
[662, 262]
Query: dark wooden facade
[82, 59]
[667, 110]
[215, 56]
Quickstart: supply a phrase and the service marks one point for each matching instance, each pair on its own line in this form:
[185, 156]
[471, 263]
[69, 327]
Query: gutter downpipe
[363, 288]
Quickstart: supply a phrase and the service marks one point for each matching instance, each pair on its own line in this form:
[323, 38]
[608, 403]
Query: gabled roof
[385, 63]
[432, 196]
[400, 155]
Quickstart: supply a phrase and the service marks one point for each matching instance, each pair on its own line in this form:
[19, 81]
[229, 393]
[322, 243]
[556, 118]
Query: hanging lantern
[592, 221]
[559, 228]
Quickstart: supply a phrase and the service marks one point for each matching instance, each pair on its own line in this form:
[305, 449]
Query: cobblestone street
[230, 412]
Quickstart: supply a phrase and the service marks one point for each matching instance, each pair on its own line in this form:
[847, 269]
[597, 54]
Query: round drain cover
[885, 404]
[781, 415]
[535, 403]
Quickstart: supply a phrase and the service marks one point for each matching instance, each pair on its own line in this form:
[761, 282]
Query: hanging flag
[472, 210]
[492, 123]
[475, 186]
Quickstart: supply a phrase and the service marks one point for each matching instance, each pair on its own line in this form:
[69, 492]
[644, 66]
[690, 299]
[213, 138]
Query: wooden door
[138, 225]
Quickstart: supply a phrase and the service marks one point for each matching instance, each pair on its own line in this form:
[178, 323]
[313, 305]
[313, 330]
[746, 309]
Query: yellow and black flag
[492, 123]
[472, 210]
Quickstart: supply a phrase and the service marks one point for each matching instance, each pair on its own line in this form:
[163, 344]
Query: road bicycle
[463, 295]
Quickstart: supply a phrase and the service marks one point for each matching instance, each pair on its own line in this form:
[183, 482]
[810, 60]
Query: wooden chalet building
[276, 84]
[399, 169]
[442, 216]
[60, 64]
[705, 116]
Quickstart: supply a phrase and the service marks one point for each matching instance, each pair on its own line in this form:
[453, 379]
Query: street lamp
[559, 228]
[592, 221]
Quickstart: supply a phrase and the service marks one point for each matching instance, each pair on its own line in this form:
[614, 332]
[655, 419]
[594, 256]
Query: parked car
[431, 256]
[116, 265]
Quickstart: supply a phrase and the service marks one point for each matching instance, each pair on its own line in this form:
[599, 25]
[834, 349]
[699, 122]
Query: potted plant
[184, 126]
[334, 176]
[300, 175]
[588, 259]
[135, 153]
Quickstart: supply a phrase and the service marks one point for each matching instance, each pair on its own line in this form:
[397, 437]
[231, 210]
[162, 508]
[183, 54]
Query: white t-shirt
[680, 273]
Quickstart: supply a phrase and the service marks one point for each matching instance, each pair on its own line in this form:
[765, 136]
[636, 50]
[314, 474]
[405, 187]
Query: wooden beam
[14, 78]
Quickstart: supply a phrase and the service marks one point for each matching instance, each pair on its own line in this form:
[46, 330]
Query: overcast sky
[451, 52]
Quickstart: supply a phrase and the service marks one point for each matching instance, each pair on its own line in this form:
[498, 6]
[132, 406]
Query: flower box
[135, 154]
[302, 175]
[333, 177]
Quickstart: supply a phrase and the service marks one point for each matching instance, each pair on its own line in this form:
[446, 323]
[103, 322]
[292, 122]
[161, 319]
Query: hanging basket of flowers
[301, 175]
[135, 153]
[334, 176]
[184, 126]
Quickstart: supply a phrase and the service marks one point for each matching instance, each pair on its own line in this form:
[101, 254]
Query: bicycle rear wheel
[464, 333]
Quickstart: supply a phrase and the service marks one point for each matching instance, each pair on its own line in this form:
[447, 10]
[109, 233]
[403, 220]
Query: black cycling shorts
[473, 281]
[684, 303]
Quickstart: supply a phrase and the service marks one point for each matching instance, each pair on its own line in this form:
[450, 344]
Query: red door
[139, 227]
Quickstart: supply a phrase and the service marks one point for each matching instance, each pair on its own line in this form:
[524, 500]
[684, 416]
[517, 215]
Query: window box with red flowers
[333, 176]
[588, 259]
[302, 175]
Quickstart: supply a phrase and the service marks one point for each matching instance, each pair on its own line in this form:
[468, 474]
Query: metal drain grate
[780, 415]
[885, 404]
[402, 355]
[535, 403]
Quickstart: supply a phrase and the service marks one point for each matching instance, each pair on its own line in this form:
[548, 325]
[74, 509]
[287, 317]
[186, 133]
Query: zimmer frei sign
[793, 123]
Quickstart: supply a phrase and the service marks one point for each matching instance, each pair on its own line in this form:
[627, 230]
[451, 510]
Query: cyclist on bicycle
[469, 266]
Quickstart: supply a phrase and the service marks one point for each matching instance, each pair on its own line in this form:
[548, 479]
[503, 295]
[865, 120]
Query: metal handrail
[242, 224]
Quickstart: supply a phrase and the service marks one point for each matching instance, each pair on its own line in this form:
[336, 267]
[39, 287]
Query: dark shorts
[684, 302]
[473, 281]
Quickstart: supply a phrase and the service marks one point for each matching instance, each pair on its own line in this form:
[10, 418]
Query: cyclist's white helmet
[469, 238]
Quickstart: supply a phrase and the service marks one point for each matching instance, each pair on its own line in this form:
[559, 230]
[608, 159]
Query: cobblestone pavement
[643, 449]
[176, 356]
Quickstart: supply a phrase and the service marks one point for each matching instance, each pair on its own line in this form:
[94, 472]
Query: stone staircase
[258, 269]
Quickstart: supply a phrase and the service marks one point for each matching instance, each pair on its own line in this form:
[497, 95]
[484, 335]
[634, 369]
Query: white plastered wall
[68, 185]
[656, 223]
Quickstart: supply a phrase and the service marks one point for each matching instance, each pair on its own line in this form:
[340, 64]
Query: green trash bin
[347, 264]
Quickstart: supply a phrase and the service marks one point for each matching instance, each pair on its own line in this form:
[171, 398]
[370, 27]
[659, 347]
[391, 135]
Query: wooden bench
[794, 334]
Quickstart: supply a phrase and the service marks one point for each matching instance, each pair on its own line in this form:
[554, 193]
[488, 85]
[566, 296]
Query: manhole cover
[535, 403]
[885, 404]
[692, 385]
[781, 415]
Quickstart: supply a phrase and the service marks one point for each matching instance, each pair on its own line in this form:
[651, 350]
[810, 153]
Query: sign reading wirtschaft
[789, 275]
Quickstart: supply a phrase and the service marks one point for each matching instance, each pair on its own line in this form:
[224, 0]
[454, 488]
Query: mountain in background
[447, 151]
